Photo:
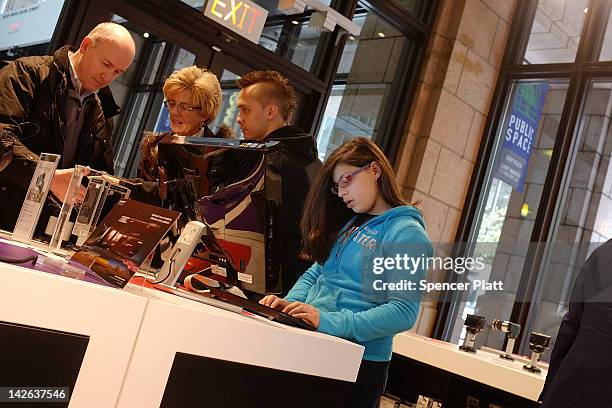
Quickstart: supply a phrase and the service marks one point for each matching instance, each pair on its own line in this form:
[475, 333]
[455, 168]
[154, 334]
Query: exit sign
[242, 17]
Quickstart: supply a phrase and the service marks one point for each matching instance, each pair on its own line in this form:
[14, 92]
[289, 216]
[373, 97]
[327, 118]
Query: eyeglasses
[183, 107]
[346, 179]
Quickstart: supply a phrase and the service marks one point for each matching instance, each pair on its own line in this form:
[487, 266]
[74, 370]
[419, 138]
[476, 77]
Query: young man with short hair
[266, 104]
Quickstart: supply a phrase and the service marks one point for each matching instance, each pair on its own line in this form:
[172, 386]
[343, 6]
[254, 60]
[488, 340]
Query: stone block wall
[446, 122]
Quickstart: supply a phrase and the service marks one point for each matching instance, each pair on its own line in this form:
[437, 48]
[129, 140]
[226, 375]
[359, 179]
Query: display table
[481, 373]
[106, 320]
[187, 351]
[145, 348]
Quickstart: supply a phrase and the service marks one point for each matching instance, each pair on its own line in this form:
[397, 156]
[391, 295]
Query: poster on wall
[519, 133]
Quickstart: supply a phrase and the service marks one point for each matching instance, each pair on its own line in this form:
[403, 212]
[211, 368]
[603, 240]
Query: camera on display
[538, 343]
[473, 325]
[512, 331]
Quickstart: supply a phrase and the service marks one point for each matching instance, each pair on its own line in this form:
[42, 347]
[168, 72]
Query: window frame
[579, 73]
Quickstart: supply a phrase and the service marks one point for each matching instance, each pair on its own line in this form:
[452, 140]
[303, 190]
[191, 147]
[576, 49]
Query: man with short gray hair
[68, 108]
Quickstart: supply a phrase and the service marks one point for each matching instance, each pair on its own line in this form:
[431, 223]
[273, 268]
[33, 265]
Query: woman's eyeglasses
[183, 107]
[346, 179]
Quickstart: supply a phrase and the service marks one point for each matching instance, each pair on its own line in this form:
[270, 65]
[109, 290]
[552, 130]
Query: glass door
[228, 70]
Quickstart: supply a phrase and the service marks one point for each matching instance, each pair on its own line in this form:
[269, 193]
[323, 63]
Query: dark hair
[324, 213]
[275, 86]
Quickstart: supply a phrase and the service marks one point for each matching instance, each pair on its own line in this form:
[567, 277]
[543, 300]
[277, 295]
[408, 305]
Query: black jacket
[33, 89]
[300, 165]
[580, 373]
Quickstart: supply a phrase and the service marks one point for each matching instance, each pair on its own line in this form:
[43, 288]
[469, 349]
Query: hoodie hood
[412, 214]
[295, 141]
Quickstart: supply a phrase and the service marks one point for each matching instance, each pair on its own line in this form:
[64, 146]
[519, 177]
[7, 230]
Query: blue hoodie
[336, 288]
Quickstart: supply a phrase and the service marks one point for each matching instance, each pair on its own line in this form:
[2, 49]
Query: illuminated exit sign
[242, 17]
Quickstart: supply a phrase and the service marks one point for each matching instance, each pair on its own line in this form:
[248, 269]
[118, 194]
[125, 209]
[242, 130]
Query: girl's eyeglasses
[346, 179]
[183, 107]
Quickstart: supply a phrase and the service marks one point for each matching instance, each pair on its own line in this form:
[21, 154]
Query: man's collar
[76, 82]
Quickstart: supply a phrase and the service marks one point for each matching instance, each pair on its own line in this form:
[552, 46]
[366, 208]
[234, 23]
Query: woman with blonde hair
[193, 98]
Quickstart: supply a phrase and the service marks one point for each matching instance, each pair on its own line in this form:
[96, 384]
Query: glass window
[584, 218]
[606, 48]
[410, 5]
[510, 199]
[365, 76]
[291, 38]
[229, 106]
[27, 27]
[144, 110]
[288, 36]
[555, 33]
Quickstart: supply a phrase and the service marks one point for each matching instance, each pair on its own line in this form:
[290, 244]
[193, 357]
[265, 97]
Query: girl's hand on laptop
[274, 302]
[308, 313]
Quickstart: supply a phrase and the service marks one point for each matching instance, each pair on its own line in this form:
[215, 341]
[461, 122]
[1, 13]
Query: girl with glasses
[354, 214]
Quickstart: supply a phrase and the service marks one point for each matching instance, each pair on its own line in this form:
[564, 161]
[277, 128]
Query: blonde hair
[202, 85]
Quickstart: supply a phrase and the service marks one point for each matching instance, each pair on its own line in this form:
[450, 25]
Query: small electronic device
[473, 325]
[87, 214]
[538, 343]
[513, 330]
[181, 252]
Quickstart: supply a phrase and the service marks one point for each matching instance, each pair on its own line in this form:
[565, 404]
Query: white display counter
[109, 317]
[482, 367]
[172, 324]
[136, 334]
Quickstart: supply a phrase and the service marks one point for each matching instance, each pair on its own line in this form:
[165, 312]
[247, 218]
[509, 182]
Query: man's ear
[271, 111]
[85, 44]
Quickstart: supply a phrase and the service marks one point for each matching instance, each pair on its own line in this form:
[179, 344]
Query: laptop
[199, 283]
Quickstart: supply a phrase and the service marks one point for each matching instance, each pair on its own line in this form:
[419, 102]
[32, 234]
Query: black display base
[37, 357]
[410, 378]
[532, 368]
[467, 349]
[197, 381]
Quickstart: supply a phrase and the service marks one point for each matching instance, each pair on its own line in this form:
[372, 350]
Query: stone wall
[447, 119]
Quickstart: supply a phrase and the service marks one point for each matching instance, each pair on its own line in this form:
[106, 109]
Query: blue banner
[163, 121]
[519, 133]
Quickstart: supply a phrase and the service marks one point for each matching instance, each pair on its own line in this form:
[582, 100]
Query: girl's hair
[202, 85]
[325, 213]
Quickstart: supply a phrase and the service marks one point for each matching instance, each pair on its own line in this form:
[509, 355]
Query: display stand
[35, 197]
